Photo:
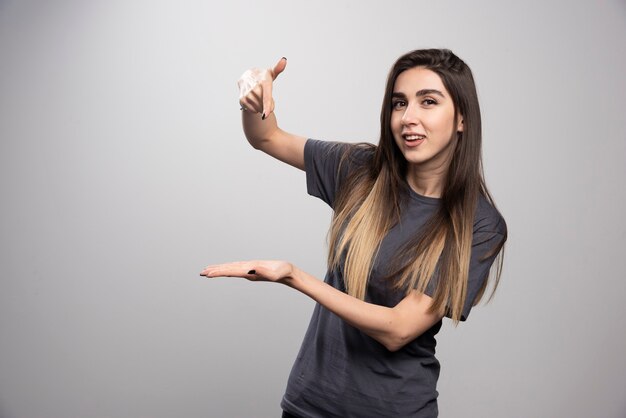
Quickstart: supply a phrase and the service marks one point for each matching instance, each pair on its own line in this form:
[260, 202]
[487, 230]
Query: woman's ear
[459, 127]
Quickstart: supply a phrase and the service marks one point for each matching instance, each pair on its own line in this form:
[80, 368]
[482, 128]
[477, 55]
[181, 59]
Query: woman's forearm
[256, 129]
[392, 327]
[386, 325]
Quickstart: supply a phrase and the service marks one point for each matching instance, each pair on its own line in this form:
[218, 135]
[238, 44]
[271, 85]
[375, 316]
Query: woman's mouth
[413, 140]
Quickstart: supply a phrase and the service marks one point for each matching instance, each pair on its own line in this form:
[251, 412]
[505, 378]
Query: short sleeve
[324, 169]
[489, 232]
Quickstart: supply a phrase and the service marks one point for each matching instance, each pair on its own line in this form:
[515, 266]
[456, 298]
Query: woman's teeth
[413, 137]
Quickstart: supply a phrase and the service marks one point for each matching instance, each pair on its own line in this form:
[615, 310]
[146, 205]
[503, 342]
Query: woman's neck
[428, 183]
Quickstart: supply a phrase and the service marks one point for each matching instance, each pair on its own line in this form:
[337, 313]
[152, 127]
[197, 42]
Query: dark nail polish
[285, 58]
[263, 116]
[252, 272]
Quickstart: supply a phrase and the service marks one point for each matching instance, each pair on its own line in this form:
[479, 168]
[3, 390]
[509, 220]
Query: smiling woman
[423, 123]
[413, 238]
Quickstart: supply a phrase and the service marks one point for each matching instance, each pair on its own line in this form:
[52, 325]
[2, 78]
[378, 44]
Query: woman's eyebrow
[422, 92]
[425, 92]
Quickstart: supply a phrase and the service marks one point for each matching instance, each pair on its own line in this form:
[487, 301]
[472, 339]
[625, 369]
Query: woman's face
[422, 119]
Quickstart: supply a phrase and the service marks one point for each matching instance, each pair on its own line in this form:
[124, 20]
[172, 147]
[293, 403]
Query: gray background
[124, 171]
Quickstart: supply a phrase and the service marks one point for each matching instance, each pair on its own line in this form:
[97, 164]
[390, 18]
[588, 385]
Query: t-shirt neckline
[425, 199]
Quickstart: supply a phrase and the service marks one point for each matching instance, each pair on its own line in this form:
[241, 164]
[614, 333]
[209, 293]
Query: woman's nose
[411, 115]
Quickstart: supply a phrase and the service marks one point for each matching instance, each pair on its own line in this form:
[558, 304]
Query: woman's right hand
[255, 89]
[255, 98]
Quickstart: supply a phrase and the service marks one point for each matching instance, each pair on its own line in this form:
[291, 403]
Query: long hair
[369, 202]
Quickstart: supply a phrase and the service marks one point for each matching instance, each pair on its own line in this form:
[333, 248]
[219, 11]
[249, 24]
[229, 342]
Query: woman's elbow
[256, 143]
[396, 341]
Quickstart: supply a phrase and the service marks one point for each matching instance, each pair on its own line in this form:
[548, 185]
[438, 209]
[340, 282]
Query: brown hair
[369, 202]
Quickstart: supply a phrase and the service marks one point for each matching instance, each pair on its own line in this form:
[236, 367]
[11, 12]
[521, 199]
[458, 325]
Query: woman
[413, 238]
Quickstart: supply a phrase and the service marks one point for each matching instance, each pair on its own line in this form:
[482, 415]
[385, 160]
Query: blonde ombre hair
[369, 201]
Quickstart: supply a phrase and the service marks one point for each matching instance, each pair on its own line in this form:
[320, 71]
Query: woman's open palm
[254, 270]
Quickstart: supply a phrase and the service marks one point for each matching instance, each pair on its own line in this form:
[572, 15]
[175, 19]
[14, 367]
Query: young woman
[413, 238]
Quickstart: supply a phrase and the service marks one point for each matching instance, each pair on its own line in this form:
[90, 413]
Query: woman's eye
[398, 104]
[429, 102]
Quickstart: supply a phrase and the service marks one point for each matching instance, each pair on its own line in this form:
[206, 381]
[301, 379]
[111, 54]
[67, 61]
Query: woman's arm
[392, 327]
[259, 121]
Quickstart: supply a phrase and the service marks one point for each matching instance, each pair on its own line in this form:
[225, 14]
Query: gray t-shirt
[342, 372]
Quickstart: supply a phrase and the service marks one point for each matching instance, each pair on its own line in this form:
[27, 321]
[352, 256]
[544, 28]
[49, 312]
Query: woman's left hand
[255, 270]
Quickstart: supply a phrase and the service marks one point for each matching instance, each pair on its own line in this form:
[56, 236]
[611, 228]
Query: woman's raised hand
[255, 88]
[255, 270]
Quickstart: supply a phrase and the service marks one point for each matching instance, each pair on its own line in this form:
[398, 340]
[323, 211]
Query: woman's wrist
[294, 278]
[257, 129]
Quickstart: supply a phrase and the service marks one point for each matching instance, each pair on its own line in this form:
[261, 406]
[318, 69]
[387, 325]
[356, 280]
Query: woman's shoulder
[357, 150]
[488, 218]
[344, 155]
[360, 152]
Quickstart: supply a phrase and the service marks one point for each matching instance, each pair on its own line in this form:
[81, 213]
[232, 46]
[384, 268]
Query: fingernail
[263, 116]
[285, 58]
[252, 272]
